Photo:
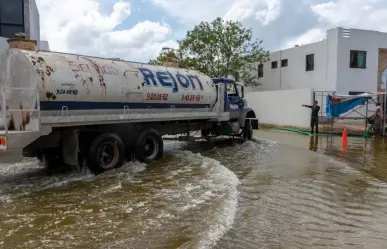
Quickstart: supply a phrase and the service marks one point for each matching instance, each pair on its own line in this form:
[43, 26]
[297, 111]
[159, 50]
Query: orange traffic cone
[344, 143]
[344, 138]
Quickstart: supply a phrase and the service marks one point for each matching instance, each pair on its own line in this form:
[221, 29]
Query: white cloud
[193, 12]
[309, 36]
[270, 14]
[79, 26]
[360, 14]
[240, 11]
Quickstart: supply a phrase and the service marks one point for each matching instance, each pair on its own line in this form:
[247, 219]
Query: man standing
[378, 119]
[314, 118]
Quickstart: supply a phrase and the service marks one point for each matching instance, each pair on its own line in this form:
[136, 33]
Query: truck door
[234, 100]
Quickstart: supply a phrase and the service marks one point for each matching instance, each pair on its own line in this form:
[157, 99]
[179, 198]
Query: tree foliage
[166, 54]
[219, 49]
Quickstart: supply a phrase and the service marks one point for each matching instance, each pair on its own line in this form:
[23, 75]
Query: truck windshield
[231, 90]
[239, 87]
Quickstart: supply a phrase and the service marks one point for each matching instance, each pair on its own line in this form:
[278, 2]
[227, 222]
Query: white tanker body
[58, 102]
[85, 85]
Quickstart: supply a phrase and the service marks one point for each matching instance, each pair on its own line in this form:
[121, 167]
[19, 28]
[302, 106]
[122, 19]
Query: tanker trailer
[66, 108]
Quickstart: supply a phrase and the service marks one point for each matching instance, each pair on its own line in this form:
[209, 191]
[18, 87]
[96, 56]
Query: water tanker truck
[70, 109]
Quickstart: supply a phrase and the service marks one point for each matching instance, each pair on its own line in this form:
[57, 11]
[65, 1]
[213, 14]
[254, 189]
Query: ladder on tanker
[12, 137]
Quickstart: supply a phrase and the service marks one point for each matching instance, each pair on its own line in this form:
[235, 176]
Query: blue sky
[138, 29]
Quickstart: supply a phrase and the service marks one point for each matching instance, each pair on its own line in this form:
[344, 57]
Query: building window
[284, 63]
[11, 18]
[274, 64]
[310, 62]
[260, 70]
[358, 59]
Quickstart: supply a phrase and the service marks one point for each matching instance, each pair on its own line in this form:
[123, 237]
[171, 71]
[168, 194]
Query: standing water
[260, 194]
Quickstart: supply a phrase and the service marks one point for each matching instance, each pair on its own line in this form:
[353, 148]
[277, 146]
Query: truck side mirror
[243, 91]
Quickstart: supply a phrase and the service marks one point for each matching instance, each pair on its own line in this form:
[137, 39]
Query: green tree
[220, 49]
[165, 54]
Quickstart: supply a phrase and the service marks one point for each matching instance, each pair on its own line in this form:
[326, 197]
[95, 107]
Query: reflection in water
[313, 143]
[306, 200]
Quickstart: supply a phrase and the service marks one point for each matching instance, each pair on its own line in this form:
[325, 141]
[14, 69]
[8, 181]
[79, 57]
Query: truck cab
[242, 118]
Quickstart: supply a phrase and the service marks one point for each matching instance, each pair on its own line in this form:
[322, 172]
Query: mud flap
[70, 147]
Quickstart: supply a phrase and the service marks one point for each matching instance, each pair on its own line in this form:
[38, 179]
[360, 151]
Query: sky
[137, 30]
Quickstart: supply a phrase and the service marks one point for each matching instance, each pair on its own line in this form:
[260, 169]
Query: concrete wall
[295, 76]
[283, 108]
[354, 79]
[332, 59]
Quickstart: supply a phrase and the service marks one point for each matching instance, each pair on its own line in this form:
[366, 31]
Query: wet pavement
[275, 192]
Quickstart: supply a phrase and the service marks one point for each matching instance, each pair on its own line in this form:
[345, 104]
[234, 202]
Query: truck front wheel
[149, 146]
[248, 130]
[107, 151]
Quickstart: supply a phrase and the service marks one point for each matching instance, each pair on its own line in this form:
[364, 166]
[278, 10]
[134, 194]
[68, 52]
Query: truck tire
[107, 151]
[149, 146]
[248, 131]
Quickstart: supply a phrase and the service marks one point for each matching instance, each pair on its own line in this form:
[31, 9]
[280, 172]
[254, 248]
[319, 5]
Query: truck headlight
[244, 102]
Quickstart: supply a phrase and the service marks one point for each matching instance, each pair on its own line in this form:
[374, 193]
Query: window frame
[22, 25]
[357, 53]
[309, 67]
[274, 64]
[283, 62]
[260, 70]
[232, 87]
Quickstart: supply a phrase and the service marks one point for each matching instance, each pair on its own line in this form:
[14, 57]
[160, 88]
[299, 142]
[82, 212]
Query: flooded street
[275, 192]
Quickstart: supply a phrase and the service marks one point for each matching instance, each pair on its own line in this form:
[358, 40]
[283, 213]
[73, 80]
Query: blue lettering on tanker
[148, 76]
[184, 81]
[166, 79]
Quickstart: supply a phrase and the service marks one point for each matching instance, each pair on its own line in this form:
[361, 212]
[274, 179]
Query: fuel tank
[84, 85]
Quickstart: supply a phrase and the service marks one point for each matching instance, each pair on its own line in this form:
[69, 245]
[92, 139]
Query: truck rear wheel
[107, 151]
[149, 146]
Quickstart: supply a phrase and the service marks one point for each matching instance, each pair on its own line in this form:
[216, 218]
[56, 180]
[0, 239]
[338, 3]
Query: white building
[20, 16]
[348, 60]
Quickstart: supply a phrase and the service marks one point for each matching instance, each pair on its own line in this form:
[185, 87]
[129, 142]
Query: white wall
[332, 59]
[283, 108]
[295, 76]
[353, 79]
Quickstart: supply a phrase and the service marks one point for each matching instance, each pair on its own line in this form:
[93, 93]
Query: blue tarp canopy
[340, 104]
